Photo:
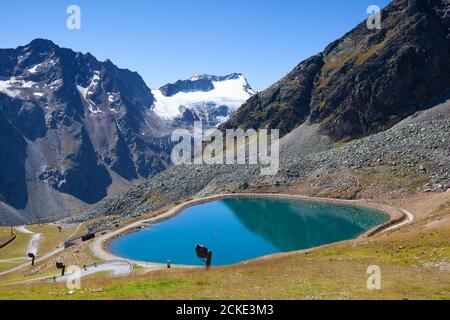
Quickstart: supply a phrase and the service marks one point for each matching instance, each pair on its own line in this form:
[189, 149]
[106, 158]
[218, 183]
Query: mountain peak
[365, 82]
[203, 83]
[209, 98]
[231, 76]
[94, 117]
[40, 44]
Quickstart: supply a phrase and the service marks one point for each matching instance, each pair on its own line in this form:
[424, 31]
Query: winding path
[23, 230]
[115, 268]
[409, 219]
[34, 244]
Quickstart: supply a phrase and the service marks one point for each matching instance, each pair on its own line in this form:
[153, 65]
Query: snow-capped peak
[196, 77]
[218, 95]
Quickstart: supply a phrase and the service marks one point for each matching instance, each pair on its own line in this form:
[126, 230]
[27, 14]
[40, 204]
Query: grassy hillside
[414, 264]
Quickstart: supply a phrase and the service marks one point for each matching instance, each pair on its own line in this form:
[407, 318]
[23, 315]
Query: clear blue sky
[167, 40]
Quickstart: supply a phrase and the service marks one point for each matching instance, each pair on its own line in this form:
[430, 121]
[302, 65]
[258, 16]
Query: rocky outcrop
[198, 85]
[13, 189]
[285, 105]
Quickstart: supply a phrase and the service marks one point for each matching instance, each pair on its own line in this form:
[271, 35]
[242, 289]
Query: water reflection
[242, 229]
[290, 225]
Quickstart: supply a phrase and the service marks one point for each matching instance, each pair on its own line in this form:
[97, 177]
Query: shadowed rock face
[72, 125]
[365, 82]
[285, 105]
[200, 85]
[13, 188]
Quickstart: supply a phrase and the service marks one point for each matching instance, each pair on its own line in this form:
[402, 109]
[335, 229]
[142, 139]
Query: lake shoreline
[100, 246]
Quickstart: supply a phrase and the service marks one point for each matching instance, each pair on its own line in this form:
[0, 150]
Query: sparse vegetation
[15, 253]
[407, 268]
[370, 52]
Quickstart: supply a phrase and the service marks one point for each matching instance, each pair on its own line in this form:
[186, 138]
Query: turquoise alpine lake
[241, 229]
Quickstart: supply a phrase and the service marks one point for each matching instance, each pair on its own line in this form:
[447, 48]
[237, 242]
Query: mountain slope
[412, 156]
[365, 82]
[206, 98]
[73, 130]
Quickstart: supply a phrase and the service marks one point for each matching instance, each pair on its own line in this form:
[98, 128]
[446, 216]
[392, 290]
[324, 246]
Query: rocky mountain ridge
[75, 130]
[365, 82]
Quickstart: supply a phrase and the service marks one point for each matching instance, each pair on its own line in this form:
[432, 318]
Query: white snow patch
[27, 84]
[231, 93]
[56, 84]
[196, 77]
[89, 90]
[8, 91]
[13, 87]
[222, 120]
[23, 57]
[113, 97]
[35, 68]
